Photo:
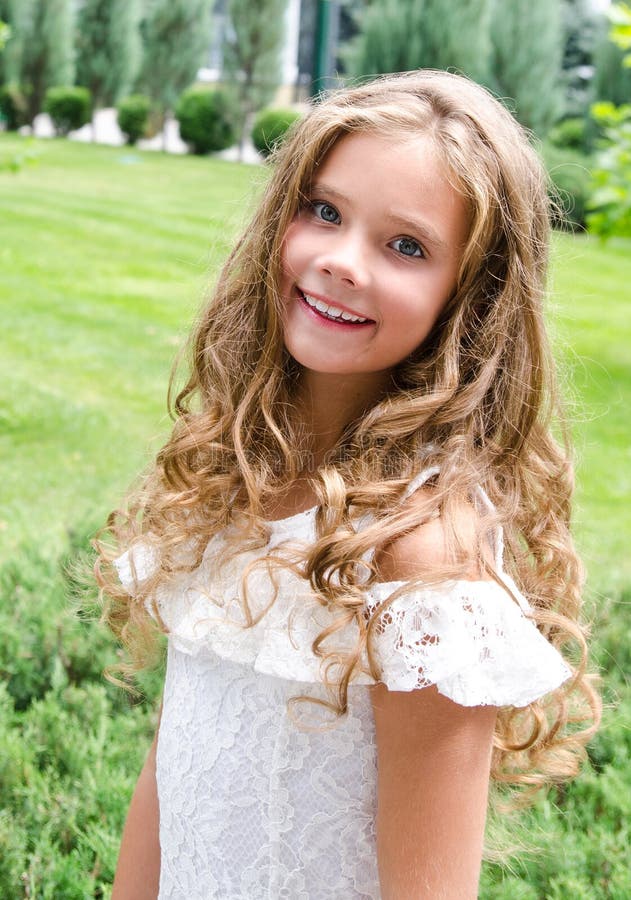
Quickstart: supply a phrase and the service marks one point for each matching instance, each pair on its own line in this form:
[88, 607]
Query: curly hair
[477, 400]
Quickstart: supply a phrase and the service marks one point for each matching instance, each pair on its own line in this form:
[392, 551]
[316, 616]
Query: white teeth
[332, 312]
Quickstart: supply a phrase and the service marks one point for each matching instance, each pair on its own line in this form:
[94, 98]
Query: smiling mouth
[333, 313]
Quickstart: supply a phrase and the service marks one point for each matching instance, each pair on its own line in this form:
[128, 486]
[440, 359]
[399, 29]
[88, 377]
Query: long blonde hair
[477, 400]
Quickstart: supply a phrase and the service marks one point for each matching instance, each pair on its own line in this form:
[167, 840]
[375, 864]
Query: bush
[68, 107]
[13, 106]
[570, 133]
[207, 120]
[270, 128]
[610, 198]
[133, 116]
[570, 173]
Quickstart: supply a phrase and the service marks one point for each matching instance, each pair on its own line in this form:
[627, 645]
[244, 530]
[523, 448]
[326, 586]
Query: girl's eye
[326, 212]
[408, 247]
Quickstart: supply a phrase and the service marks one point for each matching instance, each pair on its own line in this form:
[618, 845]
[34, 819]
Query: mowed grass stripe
[102, 266]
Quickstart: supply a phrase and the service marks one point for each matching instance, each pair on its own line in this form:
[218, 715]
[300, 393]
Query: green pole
[322, 44]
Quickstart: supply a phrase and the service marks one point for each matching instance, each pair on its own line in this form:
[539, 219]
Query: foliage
[396, 35]
[527, 42]
[176, 35]
[7, 46]
[12, 106]
[581, 29]
[206, 118]
[612, 79]
[43, 52]
[570, 174]
[133, 115]
[270, 128]
[610, 201]
[108, 48]
[620, 18]
[570, 133]
[62, 727]
[5, 34]
[68, 107]
[251, 54]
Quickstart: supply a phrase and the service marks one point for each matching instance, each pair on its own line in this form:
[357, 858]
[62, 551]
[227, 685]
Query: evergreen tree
[176, 37]
[527, 38]
[395, 35]
[108, 48]
[612, 79]
[581, 29]
[5, 34]
[10, 58]
[251, 54]
[43, 32]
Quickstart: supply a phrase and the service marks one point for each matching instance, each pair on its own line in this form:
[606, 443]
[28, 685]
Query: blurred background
[132, 140]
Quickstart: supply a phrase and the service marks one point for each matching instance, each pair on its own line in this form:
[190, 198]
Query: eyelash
[317, 206]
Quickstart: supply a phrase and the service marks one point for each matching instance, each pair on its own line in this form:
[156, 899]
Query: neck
[327, 404]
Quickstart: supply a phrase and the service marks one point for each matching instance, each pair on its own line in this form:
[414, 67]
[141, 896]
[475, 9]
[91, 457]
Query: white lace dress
[253, 806]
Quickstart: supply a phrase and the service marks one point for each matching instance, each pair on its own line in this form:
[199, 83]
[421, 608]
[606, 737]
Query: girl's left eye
[408, 247]
[325, 211]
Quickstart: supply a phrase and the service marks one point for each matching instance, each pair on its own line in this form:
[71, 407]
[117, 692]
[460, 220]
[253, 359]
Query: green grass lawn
[104, 254]
[104, 257]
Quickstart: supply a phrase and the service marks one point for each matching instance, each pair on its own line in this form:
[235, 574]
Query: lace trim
[469, 638]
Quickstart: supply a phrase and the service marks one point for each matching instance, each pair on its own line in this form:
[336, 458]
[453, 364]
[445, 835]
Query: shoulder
[435, 544]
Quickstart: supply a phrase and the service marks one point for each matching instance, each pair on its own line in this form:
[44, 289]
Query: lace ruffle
[469, 638]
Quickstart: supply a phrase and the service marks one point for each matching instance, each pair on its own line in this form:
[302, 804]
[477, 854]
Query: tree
[43, 32]
[5, 34]
[252, 55]
[611, 199]
[527, 37]
[581, 29]
[612, 79]
[108, 48]
[395, 35]
[11, 49]
[176, 38]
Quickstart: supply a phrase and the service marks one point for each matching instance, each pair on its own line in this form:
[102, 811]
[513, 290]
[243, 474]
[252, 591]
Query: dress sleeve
[136, 565]
[469, 638]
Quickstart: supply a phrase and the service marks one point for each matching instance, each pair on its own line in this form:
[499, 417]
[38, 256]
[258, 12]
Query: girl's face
[371, 260]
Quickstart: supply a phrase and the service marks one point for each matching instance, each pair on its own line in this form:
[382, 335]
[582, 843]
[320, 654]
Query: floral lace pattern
[255, 806]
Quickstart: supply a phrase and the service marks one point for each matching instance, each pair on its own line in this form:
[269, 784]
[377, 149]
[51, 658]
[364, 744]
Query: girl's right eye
[326, 212]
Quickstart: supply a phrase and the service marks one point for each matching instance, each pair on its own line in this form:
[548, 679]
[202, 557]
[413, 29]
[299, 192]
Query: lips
[332, 312]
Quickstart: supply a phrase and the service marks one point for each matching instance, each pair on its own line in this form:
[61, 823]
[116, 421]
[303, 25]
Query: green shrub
[133, 116]
[13, 107]
[206, 118]
[610, 198]
[570, 133]
[71, 745]
[68, 107]
[570, 173]
[270, 128]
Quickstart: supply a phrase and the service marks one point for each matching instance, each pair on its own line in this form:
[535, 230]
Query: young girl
[356, 538]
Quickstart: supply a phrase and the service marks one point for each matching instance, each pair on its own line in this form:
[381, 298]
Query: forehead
[393, 180]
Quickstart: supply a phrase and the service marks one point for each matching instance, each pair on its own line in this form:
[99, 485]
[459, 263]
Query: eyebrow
[406, 223]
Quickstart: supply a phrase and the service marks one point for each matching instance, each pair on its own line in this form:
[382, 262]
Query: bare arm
[434, 761]
[138, 870]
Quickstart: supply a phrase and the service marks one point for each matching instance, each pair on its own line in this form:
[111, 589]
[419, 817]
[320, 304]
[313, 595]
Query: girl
[356, 538]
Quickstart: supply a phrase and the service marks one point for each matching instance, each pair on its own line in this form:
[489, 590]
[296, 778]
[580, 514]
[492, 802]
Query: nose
[347, 260]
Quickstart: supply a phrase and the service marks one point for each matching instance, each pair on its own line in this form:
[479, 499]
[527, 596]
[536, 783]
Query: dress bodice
[254, 804]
